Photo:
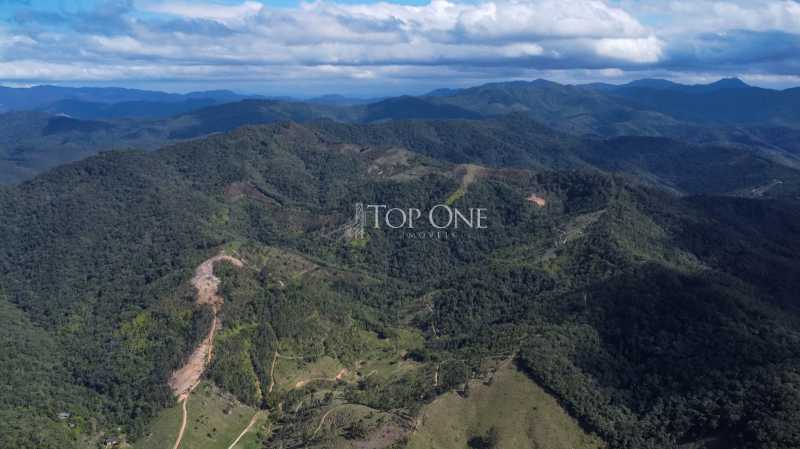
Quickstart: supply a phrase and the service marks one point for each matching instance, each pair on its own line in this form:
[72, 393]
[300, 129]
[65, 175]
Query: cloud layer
[327, 43]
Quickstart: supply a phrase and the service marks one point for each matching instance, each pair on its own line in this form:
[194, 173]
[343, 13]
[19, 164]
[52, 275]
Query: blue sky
[361, 47]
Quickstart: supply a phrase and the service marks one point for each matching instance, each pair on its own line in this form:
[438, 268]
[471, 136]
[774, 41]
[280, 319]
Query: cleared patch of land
[295, 373]
[537, 200]
[469, 174]
[215, 419]
[188, 376]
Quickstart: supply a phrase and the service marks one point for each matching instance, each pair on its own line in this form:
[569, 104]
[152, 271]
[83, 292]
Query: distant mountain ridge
[80, 109]
[643, 107]
[661, 84]
[37, 97]
[639, 107]
[728, 112]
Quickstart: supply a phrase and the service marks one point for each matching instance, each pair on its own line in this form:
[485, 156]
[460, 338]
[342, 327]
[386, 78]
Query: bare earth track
[246, 429]
[186, 379]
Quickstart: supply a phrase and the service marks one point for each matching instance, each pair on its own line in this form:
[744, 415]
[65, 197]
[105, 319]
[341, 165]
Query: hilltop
[603, 282]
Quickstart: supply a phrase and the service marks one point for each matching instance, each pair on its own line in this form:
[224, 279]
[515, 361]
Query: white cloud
[712, 15]
[772, 80]
[497, 19]
[646, 50]
[384, 41]
[571, 18]
[126, 45]
[522, 50]
[330, 33]
[201, 10]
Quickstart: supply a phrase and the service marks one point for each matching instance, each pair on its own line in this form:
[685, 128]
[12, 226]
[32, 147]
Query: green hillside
[654, 320]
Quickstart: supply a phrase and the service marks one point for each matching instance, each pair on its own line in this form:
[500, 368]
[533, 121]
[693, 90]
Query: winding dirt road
[187, 378]
[246, 429]
[183, 423]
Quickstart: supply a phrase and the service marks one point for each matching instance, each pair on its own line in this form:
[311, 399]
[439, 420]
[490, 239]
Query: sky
[373, 48]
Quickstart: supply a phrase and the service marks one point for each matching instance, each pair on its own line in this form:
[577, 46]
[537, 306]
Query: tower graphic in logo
[355, 229]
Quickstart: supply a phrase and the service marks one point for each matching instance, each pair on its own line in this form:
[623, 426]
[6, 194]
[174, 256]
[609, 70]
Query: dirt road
[246, 429]
[272, 372]
[186, 379]
[322, 420]
[184, 419]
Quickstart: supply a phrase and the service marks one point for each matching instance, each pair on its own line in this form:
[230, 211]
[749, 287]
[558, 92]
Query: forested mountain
[517, 141]
[660, 84]
[227, 117]
[38, 97]
[644, 107]
[573, 109]
[407, 107]
[36, 141]
[760, 121]
[724, 105]
[341, 260]
[656, 320]
[32, 142]
[86, 110]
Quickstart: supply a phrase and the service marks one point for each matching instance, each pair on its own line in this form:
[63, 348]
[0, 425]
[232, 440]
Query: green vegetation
[215, 420]
[504, 410]
[233, 368]
[164, 428]
[656, 320]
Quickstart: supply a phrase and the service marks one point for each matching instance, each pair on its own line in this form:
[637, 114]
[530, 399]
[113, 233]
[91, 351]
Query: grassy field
[163, 430]
[252, 439]
[209, 427]
[522, 415]
[384, 357]
[291, 373]
[380, 357]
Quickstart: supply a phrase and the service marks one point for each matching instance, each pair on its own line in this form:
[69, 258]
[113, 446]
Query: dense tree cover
[32, 142]
[96, 254]
[33, 381]
[233, 368]
[643, 107]
[657, 320]
[648, 345]
[515, 140]
[759, 161]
